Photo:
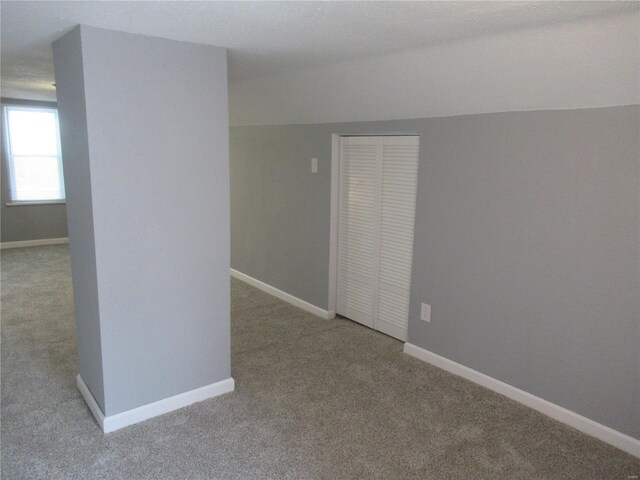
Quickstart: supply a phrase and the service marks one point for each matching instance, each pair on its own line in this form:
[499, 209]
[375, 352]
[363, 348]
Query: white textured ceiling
[268, 37]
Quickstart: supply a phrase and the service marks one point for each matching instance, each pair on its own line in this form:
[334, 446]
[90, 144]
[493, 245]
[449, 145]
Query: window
[32, 141]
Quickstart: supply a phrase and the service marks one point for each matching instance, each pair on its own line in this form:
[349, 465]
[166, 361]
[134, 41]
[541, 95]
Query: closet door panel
[397, 214]
[357, 226]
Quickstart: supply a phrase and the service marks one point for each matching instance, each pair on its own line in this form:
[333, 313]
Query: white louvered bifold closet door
[378, 177]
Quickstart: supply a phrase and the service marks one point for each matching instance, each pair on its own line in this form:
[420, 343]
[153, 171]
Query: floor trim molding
[33, 243]
[287, 297]
[585, 425]
[145, 412]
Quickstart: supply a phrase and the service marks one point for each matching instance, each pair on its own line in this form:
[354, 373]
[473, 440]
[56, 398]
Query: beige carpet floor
[315, 399]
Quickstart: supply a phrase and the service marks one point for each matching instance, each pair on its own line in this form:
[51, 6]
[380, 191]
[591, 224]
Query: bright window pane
[33, 132]
[33, 154]
[36, 178]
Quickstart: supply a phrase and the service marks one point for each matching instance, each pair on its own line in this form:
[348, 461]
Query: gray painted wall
[279, 210]
[27, 222]
[77, 178]
[527, 243]
[527, 247]
[157, 123]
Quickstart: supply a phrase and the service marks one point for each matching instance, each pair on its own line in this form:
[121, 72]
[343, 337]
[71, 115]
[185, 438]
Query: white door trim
[333, 222]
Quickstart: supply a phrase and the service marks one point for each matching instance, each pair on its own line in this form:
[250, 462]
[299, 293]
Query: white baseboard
[585, 425]
[33, 243]
[145, 412]
[265, 287]
[90, 401]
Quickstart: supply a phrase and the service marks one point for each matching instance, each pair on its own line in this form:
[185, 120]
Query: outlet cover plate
[425, 312]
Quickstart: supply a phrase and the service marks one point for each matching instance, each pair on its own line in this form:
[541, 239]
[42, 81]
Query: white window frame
[9, 156]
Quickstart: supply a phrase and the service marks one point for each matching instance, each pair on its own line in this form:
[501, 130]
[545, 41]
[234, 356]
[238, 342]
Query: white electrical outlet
[314, 165]
[425, 312]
